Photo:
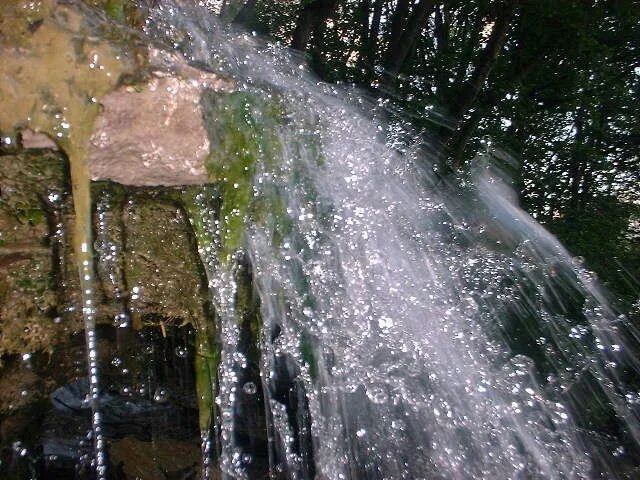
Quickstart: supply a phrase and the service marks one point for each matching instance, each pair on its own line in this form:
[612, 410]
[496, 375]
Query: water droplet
[618, 452]
[249, 388]
[160, 395]
[377, 395]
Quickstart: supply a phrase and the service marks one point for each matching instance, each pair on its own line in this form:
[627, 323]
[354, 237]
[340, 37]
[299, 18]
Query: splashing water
[420, 330]
[408, 328]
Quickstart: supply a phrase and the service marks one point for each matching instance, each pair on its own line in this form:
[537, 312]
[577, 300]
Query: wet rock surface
[94, 91]
[119, 112]
[160, 460]
[153, 134]
[147, 401]
[149, 283]
[161, 265]
[37, 278]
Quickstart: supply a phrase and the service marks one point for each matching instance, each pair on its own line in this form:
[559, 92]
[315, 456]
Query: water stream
[411, 328]
[384, 322]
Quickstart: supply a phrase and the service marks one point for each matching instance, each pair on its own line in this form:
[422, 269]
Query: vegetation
[554, 83]
[242, 132]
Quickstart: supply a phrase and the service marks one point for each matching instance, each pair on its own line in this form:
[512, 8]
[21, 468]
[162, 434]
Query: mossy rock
[35, 268]
[162, 269]
[243, 131]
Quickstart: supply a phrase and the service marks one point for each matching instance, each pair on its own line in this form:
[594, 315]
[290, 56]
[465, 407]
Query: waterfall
[284, 285]
[409, 327]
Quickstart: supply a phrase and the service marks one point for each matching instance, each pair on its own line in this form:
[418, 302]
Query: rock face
[37, 279]
[161, 265]
[35, 140]
[153, 134]
[135, 108]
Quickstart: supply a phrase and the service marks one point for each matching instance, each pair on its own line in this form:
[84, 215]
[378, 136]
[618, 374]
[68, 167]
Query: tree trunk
[398, 20]
[374, 31]
[400, 49]
[486, 60]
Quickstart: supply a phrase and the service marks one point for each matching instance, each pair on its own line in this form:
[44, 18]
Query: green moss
[242, 128]
[115, 9]
[188, 198]
[207, 358]
[207, 361]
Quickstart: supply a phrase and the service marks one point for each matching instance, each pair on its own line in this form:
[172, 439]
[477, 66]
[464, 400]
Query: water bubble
[377, 395]
[122, 320]
[86, 401]
[250, 388]
[181, 352]
[160, 395]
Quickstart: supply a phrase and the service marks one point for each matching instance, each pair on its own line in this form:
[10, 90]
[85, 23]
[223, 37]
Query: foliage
[554, 83]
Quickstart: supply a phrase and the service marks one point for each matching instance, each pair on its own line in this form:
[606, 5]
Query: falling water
[411, 328]
[385, 322]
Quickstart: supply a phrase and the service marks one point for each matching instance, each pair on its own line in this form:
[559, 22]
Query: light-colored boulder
[31, 139]
[153, 134]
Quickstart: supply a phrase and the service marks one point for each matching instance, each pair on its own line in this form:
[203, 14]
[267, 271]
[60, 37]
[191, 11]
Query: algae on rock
[207, 361]
[161, 265]
[242, 128]
[36, 303]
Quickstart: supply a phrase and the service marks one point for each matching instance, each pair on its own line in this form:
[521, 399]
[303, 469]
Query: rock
[18, 387]
[31, 139]
[153, 134]
[37, 279]
[51, 65]
[162, 267]
[66, 84]
[161, 460]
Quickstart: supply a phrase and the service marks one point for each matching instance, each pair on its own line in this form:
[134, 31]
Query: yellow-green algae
[243, 131]
[52, 76]
[207, 358]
